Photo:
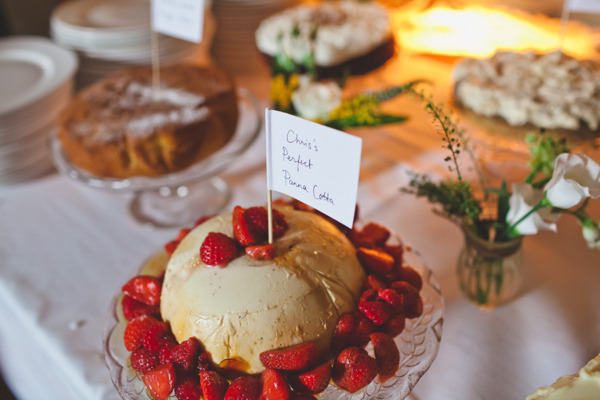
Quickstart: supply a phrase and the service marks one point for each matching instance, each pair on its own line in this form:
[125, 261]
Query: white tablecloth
[66, 249]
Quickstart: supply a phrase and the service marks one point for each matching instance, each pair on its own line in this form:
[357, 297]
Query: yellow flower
[362, 107]
[282, 89]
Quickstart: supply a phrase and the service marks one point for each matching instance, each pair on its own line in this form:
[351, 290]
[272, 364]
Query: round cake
[252, 306]
[120, 127]
[353, 36]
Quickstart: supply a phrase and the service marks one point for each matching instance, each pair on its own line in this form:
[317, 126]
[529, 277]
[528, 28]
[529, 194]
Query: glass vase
[490, 273]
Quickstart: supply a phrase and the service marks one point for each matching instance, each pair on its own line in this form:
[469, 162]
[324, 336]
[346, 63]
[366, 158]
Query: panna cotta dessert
[252, 306]
[584, 385]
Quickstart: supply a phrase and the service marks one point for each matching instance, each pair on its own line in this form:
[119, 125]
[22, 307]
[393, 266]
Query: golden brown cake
[120, 128]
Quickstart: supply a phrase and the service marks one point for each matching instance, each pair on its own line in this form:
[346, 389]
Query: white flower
[316, 100]
[576, 177]
[591, 234]
[523, 199]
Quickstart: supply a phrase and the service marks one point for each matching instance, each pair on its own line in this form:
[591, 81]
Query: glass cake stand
[179, 198]
[418, 343]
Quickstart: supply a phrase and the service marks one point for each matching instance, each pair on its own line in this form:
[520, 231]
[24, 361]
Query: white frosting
[316, 100]
[252, 306]
[583, 386]
[346, 30]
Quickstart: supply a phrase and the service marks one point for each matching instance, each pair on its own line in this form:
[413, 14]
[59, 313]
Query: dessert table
[66, 249]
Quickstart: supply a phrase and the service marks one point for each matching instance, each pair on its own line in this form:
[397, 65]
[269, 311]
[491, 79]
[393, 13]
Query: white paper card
[313, 163]
[183, 19]
[585, 6]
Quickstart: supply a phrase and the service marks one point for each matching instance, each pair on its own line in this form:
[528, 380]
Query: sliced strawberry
[166, 347]
[203, 363]
[144, 288]
[369, 295]
[274, 385]
[377, 233]
[396, 251]
[395, 325]
[244, 388]
[136, 330]
[364, 327]
[294, 358]
[161, 381]
[171, 246]
[183, 233]
[143, 360]
[152, 340]
[218, 249]
[188, 388]
[411, 276]
[261, 252]
[243, 230]
[392, 298]
[185, 354]
[359, 240]
[374, 282]
[258, 218]
[343, 334]
[413, 305]
[374, 260]
[376, 311]
[313, 381]
[213, 385]
[387, 355]
[133, 308]
[354, 369]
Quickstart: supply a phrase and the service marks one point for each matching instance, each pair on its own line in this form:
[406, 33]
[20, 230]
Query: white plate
[30, 69]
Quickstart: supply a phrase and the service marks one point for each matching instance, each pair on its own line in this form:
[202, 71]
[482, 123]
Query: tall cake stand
[179, 198]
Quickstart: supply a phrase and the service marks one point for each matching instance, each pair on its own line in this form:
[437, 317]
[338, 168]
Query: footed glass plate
[418, 343]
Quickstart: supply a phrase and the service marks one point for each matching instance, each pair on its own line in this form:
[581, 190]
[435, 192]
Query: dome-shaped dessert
[252, 306]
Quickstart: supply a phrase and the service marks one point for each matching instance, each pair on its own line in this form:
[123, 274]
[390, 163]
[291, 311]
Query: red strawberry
[313, 381]
[218, 249]
[261, 252]
[377, 233]
[244, 388]
[161, 381]
[183, 233]
[203, 363]
[395, 251]
[133, 308]
[259, 220]
[144, 288]
[373, 282]
[369, 295]
[393, 299]
[353, 369]
[411, 298]
[143, 361]
[364, 327]
[166, 347]
[243, 230]
[392, 276]
[387, 355]
[343, 334]
[376, 311]
[274, 386]
[188, 388]
[376, 261]
[411, 276]
[136, 330]
[213, 385]
[152, 339]
[185, 354]
[294, 358]
[171, 246]
[395, 325]
[302, 396]
[359, 240]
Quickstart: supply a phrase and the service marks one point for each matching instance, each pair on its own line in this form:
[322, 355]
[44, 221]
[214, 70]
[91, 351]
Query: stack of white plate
[234, 47]
[36, 82]
[109, 35]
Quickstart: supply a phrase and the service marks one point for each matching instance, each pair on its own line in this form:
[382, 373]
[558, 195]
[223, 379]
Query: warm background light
[478, 31]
